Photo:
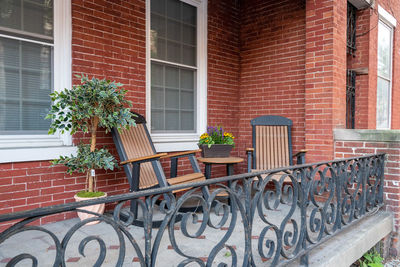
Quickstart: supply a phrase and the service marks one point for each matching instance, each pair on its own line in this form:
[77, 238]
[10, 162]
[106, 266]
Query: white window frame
[387, 19]
[20, 148]
[165, 142]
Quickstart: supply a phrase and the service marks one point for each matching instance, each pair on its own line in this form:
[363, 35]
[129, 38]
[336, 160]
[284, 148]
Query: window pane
[174, 100]
[158, 6]
[173, 51]
[173, 39]
[384, 50]
[383, 104]
[187, 119]
[171, 99]
[157, 120]
[158, 48]
[189, 14]
[25, 85]
[189, 35]
[10, 14]
[158, 25]
[171, 120]
[157, 75]
[187, 100]
[157, 98]
[187, 79]
[37, 16]
[172, 77]
[189, 55]
[174, 9]
[173, 30]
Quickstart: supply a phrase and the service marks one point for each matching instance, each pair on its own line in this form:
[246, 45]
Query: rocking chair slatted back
[136, 144]
[272, 142]
[272, 147]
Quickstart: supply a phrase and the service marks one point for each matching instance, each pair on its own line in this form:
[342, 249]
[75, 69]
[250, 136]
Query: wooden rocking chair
[142, 164]
[272, 145]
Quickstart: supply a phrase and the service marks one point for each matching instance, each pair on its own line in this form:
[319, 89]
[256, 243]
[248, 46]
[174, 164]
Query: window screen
[26, 58]
[173, 66]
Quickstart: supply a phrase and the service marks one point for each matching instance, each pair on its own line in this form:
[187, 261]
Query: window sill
[35, 153]
[171, 143]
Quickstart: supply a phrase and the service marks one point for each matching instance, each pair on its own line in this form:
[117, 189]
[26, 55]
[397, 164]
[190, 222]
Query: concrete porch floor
[345, 248]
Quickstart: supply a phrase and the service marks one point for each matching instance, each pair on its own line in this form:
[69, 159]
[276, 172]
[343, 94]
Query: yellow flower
[204, 135]
[228, 135]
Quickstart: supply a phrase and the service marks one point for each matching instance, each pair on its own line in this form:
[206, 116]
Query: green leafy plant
[216, 135]
[371, 259]
[86, 107]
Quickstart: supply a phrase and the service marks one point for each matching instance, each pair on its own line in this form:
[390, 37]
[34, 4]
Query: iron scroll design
[276, 216]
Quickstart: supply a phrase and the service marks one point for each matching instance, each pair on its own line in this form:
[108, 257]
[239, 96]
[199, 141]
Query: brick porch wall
[272, 73]
[351, 143]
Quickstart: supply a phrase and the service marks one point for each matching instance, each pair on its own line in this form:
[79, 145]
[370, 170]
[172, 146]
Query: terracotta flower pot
[98, 208]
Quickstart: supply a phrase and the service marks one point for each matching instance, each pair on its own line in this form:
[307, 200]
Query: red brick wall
[272, 49]
[325, 75]
[344, 149]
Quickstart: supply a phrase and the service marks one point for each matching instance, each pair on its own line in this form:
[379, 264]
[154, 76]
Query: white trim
[178, 142]
[386, 16]
[26, 40]
[35, 153]
[385, 24]
[62, 52]
[42, 147]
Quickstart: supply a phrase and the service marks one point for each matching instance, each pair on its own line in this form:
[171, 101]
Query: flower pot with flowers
[215, 143]
[86, 107]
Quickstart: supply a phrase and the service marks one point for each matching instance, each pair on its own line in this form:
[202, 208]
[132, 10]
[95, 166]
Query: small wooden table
[229, 162]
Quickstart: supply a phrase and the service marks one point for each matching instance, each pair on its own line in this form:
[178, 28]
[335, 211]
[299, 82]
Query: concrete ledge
[366, 135]
[346, 247]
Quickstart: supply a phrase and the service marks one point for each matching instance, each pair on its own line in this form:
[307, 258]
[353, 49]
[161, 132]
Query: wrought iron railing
[281, 215]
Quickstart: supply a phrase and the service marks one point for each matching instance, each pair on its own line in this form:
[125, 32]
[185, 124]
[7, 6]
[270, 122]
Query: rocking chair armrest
[301, 156]
[183, 153]
[303, 151]
[145, 158]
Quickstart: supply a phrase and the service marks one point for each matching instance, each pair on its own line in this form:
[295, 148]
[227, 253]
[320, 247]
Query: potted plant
[215, 143]
[86, 107]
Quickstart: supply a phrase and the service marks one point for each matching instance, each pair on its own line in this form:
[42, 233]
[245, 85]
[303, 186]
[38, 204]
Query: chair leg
[134, 187]
[134, 208]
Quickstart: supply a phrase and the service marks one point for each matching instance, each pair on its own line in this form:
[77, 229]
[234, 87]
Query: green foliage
[90, 194]
[73, 110]
[371, 259]
[86, 160]
[90, 105]
[216, 135]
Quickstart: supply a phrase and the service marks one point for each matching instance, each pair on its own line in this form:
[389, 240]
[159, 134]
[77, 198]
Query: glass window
[173, 66]
[383, 102]
[26, 66]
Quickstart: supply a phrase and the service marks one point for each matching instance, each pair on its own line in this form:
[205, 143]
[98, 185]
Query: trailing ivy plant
[86, 107]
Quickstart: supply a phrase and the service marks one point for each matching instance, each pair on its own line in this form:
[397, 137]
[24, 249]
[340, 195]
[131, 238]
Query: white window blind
[26, 66]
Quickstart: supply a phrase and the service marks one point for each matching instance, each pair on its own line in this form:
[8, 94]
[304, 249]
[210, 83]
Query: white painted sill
[8, 155]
